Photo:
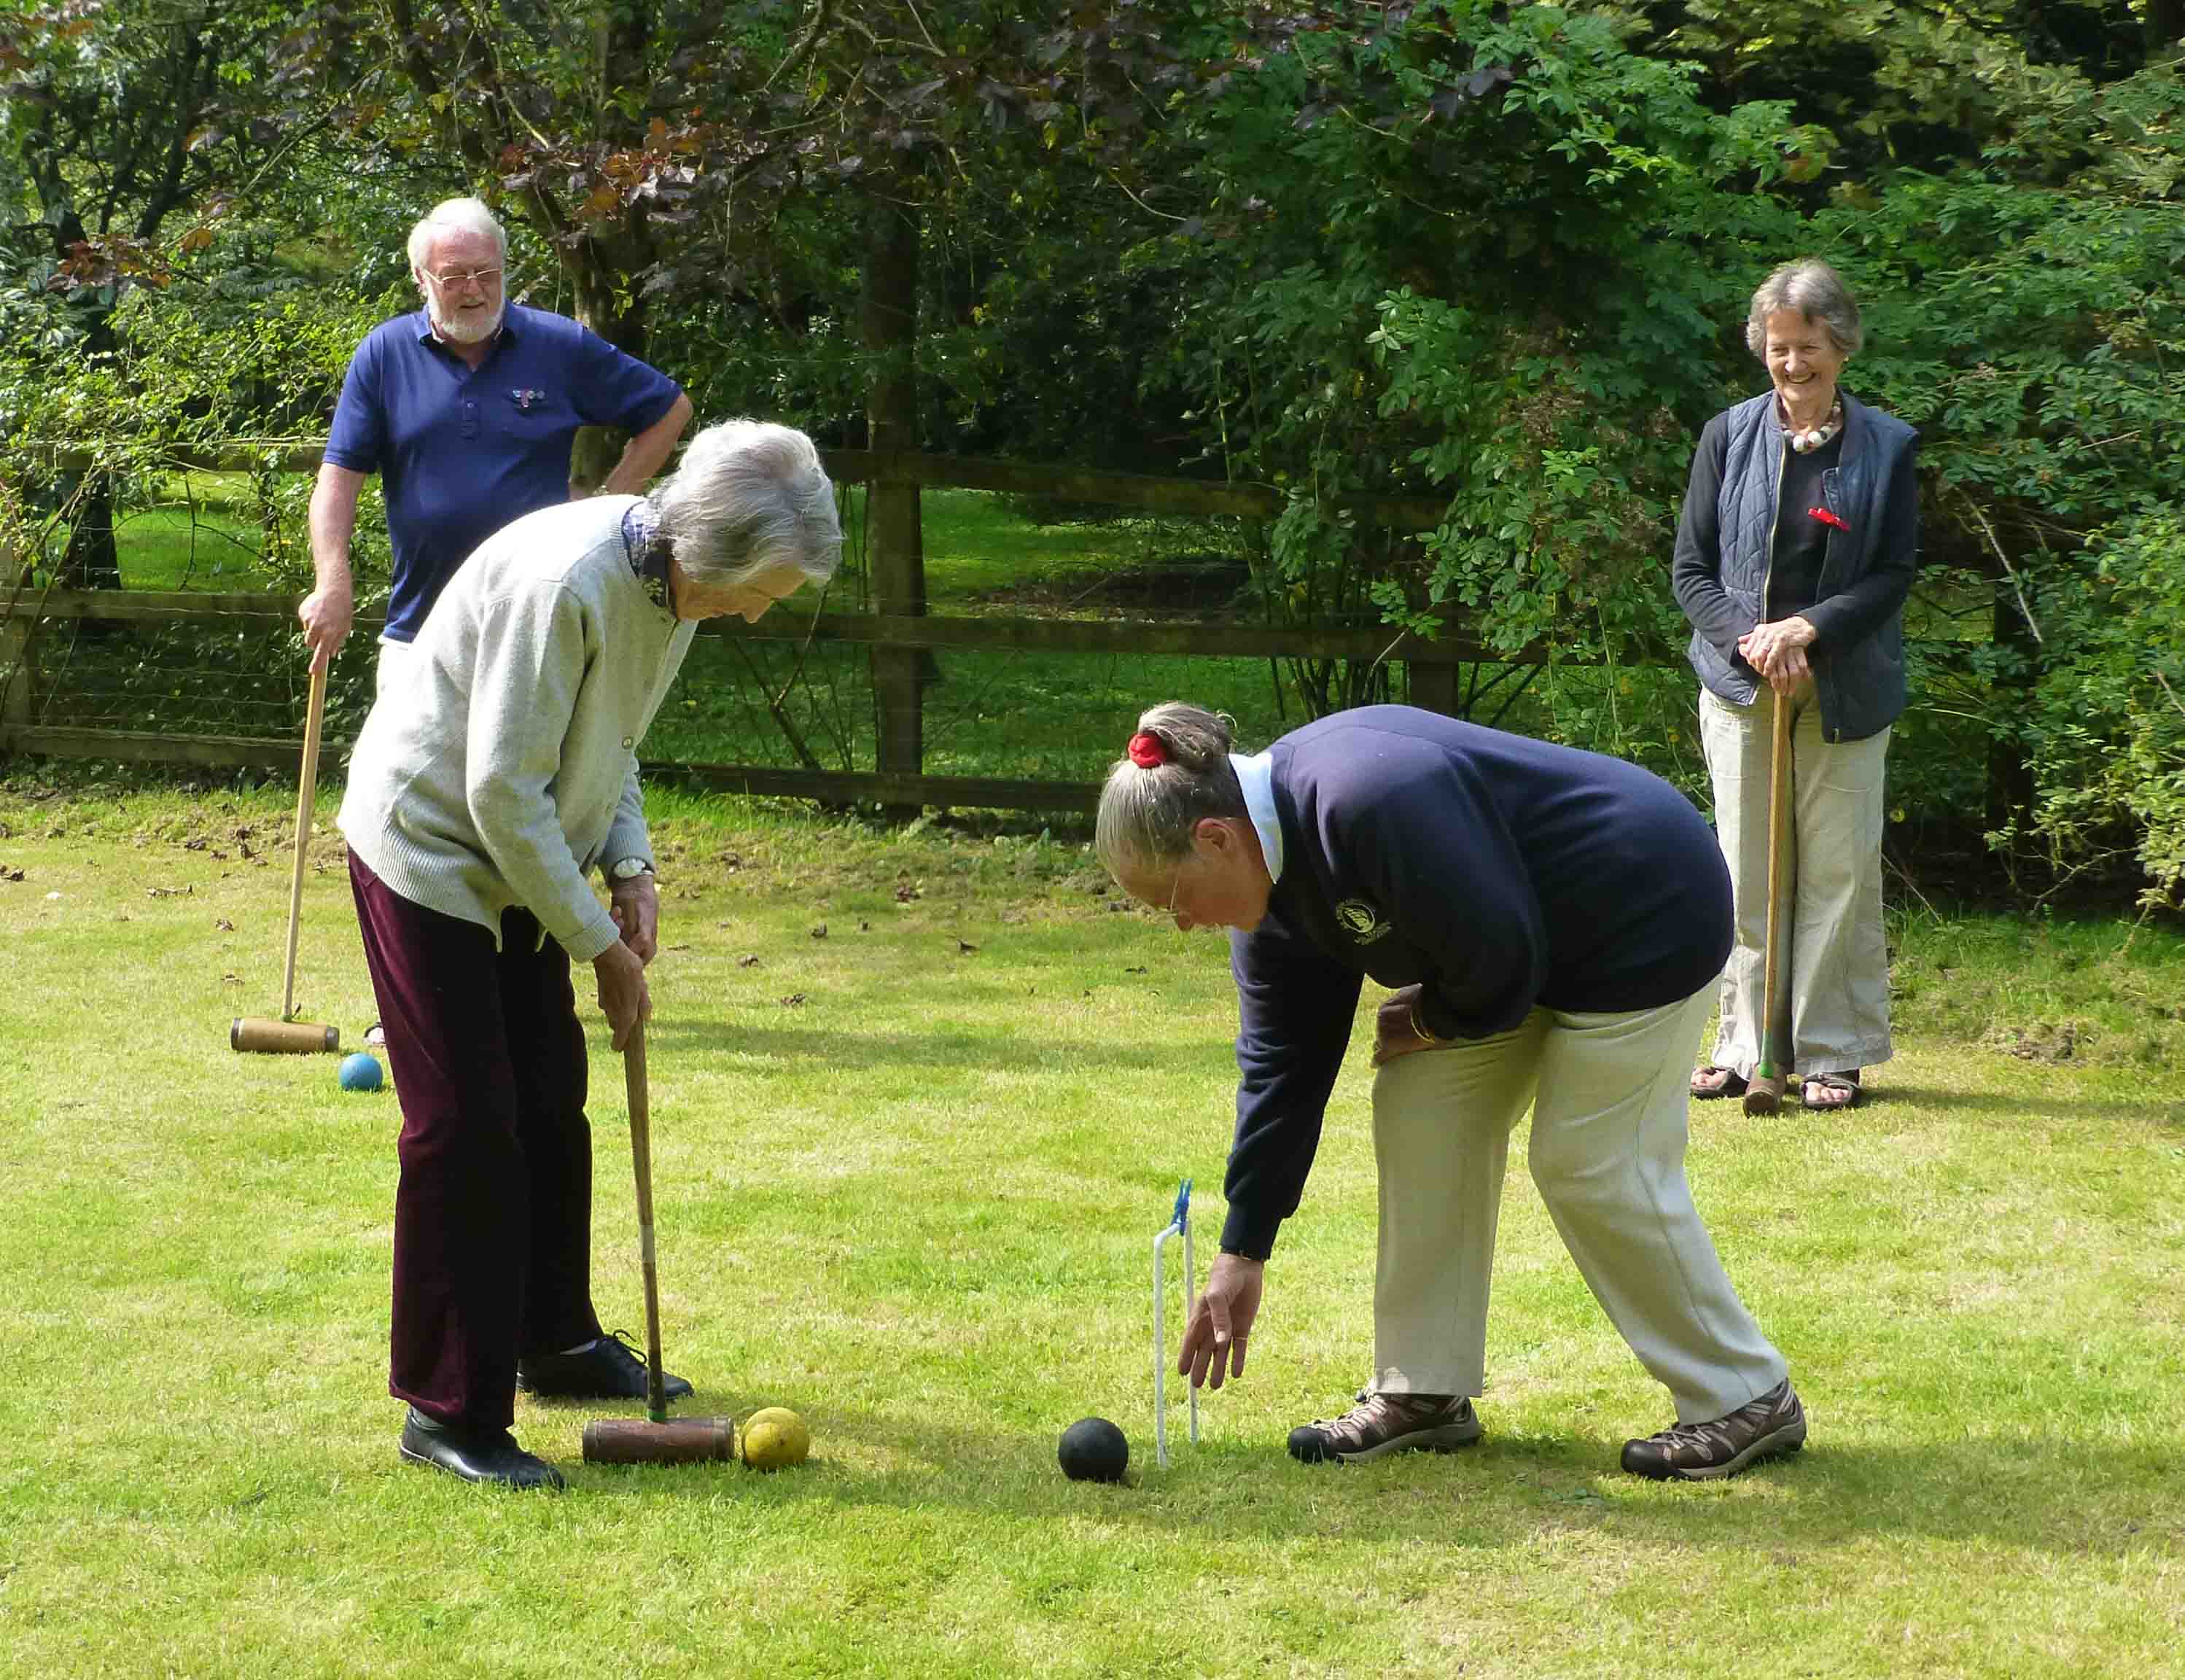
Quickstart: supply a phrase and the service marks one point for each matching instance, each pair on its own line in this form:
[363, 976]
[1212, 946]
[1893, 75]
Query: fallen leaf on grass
[746, 962]
[794, 1000]
[1139, 970]
[188, 892]
[11, 875]
[905, 893]
[675, 948]
[222, 923]
[231, 979]
[964, 948]
[820, 931]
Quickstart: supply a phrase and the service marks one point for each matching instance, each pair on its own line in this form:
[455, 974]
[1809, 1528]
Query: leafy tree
[123, 119]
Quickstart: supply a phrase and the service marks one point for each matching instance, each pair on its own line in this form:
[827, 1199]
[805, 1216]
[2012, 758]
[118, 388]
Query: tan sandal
[1834, 1092]
[1719, 1082]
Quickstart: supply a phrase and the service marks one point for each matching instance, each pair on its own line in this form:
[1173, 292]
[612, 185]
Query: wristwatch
[628, 868]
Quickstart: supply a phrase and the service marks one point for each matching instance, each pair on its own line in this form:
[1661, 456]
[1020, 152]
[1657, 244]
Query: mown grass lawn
[908, 1172]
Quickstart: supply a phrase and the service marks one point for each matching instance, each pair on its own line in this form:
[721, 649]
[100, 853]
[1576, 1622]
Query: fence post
[894, 542]
[14, 676]
[1434, 686]
[14, 646]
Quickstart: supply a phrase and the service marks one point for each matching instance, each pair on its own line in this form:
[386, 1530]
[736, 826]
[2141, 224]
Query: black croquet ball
[1093, 1449]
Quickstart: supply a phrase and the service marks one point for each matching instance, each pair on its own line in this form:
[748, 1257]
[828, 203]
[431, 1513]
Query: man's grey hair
[1814, 290]
[469, 215]
[748, 497]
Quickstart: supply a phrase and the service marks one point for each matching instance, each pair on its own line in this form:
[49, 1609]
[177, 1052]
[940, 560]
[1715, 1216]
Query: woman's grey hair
[1814, 290]
[1147, 813]
[469, 215]
[748, 497]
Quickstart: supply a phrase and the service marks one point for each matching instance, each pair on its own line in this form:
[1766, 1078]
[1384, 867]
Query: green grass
[203, 530]
[992, 713]
[917, 1204]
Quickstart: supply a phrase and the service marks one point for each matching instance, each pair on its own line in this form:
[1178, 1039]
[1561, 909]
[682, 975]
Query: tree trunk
[91, 562]
[624, 325]
[2166, 24]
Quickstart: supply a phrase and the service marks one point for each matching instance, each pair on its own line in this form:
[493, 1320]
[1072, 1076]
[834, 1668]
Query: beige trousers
[1609, 1099]
[1831, 956]
[391, 666]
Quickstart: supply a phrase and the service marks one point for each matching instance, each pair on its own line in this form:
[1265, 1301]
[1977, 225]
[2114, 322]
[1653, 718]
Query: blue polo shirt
[460, 451]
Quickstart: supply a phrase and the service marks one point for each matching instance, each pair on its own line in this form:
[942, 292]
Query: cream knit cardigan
[502, 766]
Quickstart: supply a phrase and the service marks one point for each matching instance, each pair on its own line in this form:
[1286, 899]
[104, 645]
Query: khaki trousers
[1832, 956]
[393, 666]
[1609, 1096]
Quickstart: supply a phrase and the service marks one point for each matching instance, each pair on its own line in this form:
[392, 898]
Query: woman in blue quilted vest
[1800, 537]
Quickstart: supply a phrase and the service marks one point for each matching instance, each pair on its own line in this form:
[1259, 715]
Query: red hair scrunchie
[1148, 750]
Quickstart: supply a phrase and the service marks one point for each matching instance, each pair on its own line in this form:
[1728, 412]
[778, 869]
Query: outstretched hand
[1221, 1321]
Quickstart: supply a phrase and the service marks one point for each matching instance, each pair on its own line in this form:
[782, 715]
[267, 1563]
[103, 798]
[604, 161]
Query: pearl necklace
[1806, 442]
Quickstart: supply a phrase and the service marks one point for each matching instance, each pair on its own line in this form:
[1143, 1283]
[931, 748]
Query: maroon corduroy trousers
[492, 1212]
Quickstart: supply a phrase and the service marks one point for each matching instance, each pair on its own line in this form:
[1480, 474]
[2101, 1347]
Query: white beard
[458, 329]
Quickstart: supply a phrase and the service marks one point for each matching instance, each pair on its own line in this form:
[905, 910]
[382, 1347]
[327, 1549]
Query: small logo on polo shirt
[526, 401]
[1360, 920]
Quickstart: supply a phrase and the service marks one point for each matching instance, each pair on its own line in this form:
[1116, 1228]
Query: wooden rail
[1178, 637]
[1182, 637]
[1187, 497]
[900, 630]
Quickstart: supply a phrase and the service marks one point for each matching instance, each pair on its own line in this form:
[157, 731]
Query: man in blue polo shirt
[468, 410]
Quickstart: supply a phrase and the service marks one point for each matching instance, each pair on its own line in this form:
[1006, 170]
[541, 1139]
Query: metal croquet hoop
[1179, 1224]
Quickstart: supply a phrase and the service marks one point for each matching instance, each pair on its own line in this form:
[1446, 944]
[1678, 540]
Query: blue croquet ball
[360, 1072]
[1093, 1449]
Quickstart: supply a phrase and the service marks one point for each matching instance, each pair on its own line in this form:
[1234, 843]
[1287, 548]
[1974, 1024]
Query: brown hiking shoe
[1388, 1422]
[1774, 1424]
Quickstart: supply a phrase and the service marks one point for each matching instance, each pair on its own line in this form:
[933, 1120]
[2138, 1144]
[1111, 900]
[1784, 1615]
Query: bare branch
[806, 44]
[2009, 571]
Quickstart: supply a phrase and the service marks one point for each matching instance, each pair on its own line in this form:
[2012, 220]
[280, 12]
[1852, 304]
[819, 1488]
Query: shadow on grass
[2020, 1493]
[2160, 1113]
[826, 1041]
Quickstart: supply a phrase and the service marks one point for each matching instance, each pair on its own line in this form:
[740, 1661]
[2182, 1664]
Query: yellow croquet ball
[774, 1439]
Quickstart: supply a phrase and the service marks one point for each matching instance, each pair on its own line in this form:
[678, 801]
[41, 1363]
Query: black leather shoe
[609, 1369]
[484, 1455]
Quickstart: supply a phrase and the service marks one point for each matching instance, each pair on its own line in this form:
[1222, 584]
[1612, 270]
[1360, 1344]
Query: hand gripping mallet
[254, 1033]
[653, 1440]
[1764, 1093]
[1179, 1224]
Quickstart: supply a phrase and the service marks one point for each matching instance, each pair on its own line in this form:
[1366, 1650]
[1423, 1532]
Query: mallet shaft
[640, 1157]
[307, 787]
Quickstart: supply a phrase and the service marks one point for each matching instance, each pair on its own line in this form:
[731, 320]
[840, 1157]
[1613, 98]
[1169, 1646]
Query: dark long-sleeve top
[1494, 872]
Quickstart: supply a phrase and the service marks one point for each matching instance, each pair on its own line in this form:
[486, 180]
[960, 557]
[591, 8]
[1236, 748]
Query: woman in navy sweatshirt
[1552, 921]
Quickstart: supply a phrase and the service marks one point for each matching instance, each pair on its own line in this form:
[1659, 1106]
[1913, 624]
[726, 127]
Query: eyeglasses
[455, 279]
[1175, 881]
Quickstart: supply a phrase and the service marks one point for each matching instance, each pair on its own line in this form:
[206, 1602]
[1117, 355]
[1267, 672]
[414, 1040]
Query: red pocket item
[1826, 517]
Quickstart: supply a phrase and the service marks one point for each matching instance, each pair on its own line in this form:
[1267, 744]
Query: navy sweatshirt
[1496, 871]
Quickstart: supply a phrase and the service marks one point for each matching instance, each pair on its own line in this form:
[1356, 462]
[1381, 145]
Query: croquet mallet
[653, 1439]
[1764, 1093]
[288, 1034]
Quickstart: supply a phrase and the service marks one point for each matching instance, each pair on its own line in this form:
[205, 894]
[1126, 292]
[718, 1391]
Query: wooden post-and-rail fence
[898, 631]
